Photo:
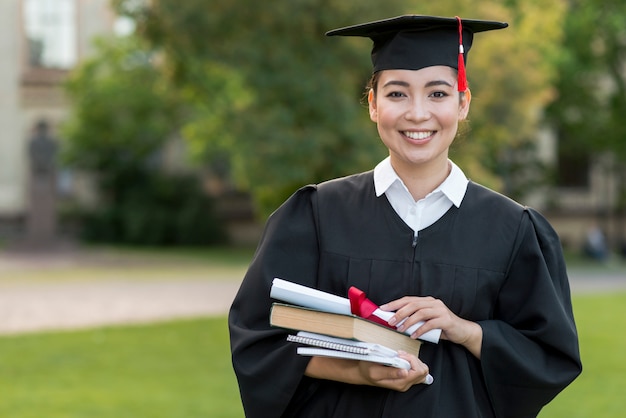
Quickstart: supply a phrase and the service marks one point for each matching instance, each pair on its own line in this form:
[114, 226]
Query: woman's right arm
[367, 373]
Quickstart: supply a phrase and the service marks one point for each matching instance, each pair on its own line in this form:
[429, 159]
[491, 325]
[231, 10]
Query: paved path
[66, 305]
[36, 305]
[73, 290]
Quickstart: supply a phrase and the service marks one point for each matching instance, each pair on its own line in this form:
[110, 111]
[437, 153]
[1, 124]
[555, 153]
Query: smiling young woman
[425, 243]
[417, 113]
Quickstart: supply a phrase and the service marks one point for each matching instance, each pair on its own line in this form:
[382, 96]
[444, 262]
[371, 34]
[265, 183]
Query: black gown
[490, 260]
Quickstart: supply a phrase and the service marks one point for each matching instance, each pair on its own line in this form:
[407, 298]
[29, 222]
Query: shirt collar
[453, 187]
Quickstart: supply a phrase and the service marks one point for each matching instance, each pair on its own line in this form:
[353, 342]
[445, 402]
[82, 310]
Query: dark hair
[372, 84]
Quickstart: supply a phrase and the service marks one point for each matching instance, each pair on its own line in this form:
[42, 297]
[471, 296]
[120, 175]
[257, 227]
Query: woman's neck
[422, 180]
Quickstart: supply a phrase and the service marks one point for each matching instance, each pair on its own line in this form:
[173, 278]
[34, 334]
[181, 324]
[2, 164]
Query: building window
[50, 27]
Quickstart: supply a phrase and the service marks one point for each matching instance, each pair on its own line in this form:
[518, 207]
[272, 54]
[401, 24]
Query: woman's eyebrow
[438, 83]
[397, 83]
[432, 83]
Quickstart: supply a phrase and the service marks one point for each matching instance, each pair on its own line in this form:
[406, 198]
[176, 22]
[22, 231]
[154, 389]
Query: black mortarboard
[412, 42]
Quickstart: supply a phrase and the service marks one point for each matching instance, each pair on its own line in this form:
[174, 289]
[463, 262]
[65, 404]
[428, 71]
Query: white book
[398, 362]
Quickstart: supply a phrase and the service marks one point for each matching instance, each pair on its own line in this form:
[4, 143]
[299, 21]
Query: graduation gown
[491, 261]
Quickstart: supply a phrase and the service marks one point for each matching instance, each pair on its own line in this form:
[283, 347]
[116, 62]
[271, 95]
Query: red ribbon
[361, 306]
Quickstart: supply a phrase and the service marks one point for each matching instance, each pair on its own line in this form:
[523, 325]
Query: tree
[123, 114]
[122, 110]
[270, 93]
[590, 104]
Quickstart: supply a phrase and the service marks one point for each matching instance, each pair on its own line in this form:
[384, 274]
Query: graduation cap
[412, 42]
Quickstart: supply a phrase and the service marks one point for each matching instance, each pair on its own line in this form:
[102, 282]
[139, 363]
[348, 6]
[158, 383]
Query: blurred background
[154, 137]
[162, 122]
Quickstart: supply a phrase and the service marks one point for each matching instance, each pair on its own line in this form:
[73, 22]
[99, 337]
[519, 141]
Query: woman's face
[417, 114]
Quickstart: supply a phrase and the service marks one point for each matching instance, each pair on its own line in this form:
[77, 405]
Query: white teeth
[418, 135]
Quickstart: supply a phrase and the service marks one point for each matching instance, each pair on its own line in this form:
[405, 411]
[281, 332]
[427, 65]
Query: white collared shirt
[425, 212]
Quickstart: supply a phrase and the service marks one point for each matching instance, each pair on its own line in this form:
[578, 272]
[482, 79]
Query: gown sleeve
[267, 367]
[530, 348]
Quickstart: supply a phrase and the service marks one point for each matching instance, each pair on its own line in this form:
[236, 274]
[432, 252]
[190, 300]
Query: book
[397, 362]
[341, 344]
[326, 346]
[341, 326]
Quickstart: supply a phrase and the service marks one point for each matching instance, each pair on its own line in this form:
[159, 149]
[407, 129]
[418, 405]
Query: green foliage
[124, 113]
[154, 209]
[591, 101]
[122, 110]
[589, 108]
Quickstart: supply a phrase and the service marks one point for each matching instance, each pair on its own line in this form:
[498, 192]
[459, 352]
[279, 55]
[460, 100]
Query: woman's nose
[418, 110]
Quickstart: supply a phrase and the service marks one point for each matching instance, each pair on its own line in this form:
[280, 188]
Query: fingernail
[392, 320]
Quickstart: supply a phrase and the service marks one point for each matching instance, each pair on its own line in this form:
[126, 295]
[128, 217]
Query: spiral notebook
[341, 344]
[398, 362]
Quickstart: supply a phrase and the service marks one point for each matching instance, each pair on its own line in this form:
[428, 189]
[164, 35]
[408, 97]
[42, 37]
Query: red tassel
[462, 77]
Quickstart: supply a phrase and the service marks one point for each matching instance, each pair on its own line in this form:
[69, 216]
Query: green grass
[178, 369]
[599, 391]
[182, 369]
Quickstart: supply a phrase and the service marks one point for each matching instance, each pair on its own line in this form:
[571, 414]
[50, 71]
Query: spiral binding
[328, 344]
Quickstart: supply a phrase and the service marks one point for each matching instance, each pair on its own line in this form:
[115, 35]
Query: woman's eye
[439, 94]
[395, 94]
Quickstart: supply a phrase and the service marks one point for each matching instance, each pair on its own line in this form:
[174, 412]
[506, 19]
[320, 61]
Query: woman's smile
[419, 136]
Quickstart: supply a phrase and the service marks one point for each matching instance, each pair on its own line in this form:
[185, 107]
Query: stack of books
[326, 327]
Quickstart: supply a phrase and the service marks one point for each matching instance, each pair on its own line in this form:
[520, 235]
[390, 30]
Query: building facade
[40, 42]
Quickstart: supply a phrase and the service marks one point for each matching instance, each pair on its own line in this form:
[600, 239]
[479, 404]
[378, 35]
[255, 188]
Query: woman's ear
[465, 104]
[371, 101]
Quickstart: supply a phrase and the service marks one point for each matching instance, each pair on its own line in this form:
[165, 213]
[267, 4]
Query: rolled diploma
[316, 299]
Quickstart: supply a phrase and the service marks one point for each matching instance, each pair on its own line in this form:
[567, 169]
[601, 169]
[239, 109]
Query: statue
[42, 220]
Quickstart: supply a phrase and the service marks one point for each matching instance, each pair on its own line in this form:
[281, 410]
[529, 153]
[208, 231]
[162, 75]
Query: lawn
[182, 369]
[178, 369]
[599, 391]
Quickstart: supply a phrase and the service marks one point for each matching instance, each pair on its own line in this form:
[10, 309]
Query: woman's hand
[368, 373]
[435, 314]
[392, 378]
